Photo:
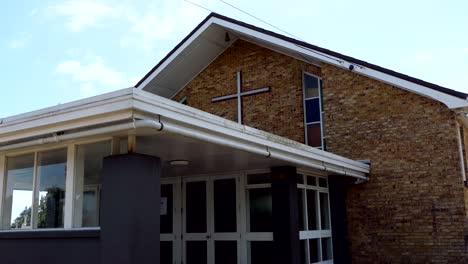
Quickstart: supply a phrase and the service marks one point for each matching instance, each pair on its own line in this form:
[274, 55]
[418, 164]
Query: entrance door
[195, 215]
[210, 216]
[170, 227]
[200, 220]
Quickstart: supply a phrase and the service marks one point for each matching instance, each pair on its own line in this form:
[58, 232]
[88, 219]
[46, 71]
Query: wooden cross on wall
[239, 96]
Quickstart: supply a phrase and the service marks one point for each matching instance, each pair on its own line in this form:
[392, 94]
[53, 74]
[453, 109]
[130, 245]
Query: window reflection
[88, 169]
[18, 193]
[51, 172]
[35, 190]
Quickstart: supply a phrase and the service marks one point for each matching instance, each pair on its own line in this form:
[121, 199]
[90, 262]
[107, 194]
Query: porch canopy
[170, 131]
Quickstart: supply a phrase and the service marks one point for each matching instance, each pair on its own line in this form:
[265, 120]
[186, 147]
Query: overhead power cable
[259, 19]
[200, 6]
[271, 25]
[284, 31]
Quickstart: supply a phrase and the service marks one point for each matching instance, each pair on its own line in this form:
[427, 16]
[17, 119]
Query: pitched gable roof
[211, 31]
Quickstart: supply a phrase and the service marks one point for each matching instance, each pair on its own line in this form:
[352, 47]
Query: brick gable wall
[413, 209]
[279, 111]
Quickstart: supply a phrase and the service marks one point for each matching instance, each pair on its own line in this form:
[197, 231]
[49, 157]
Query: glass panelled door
[200, 220]
[195, 235]
[225, 228]
[210, 220]
[170, 239]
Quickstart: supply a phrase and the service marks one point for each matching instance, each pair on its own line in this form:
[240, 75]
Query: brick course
[279, 111]
[413, 208]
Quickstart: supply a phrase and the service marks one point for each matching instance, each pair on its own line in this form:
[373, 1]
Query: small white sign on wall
[163, 206]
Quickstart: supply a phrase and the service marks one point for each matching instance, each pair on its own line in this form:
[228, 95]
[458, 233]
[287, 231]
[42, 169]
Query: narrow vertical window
[315, 225]
[313, 111]
[88, 169]
[17, 203]
[50, 196]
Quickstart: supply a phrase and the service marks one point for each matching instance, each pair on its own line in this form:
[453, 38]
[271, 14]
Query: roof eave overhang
[449, 100]
[122, 105]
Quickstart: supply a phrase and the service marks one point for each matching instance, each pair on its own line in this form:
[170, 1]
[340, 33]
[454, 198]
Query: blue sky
[54, 52]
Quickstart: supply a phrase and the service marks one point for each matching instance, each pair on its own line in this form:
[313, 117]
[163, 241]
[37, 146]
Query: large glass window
[88, 169]
[315, 226]
[313, 111]
[35, 190]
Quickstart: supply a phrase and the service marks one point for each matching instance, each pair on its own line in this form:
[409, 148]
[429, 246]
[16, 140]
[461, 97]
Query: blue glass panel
[312, 110]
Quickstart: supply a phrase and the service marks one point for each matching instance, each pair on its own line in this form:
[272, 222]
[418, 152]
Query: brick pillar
[286, 246]
[130, 209]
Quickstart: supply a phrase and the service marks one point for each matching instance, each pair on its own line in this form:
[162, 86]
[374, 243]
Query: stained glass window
[313, 113]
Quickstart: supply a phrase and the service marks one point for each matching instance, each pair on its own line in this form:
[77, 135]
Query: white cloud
[88, 89]
[84, 13]
[74, 52]
[144, 23]
[19, 43]
[95, 77]
[161, 23]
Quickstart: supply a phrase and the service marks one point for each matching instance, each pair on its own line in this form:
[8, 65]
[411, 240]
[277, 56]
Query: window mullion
[306, 219]
[329, 219]
[242, 195]
[69, 187]
[319, 221]
[35, 196]
[2, 189]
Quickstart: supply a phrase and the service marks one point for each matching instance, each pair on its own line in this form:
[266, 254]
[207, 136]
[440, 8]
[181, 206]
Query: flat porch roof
[171, 131]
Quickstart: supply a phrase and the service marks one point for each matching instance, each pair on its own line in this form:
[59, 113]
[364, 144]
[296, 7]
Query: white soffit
[182, 66]
[205, 44]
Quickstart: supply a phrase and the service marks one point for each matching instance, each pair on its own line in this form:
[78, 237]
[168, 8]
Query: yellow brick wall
[413, 209]
[279, 111]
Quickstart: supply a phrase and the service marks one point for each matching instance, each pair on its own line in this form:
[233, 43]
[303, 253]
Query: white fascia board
[53, 110]
[176, 53]
[450, 101]
[96, 110]
[197, 120]
[54, 126]
[148, 102]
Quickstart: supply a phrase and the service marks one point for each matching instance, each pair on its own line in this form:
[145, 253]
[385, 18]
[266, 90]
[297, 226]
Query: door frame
[175, 236]
[242, 236]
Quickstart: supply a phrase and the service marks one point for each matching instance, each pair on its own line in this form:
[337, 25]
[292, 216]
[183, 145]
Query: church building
[241, 146]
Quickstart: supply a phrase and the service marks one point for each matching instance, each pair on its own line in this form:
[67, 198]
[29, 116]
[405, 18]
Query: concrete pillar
[130, 201]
